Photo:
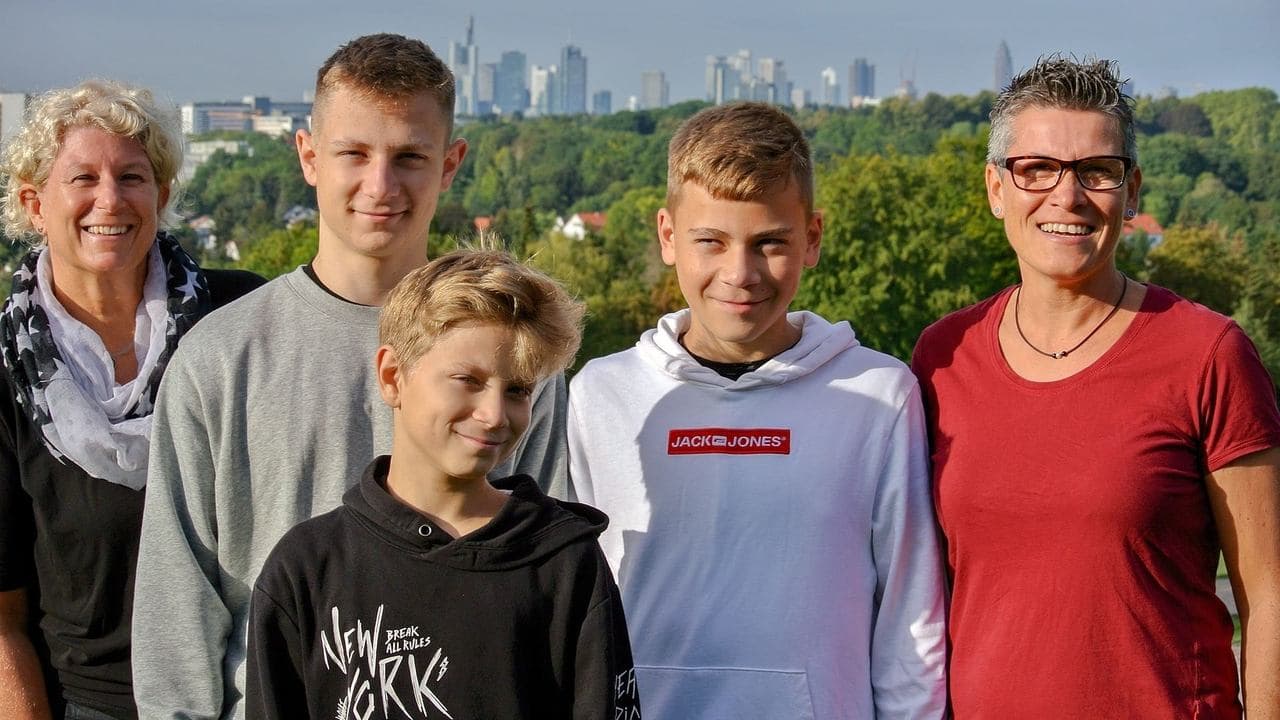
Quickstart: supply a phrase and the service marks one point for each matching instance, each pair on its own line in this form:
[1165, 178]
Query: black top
[71, 540]
[372, 608]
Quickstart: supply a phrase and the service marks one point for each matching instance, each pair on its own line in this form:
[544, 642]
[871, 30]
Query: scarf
[65, 377]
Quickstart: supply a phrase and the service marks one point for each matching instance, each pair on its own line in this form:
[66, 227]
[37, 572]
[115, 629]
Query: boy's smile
[739, 264]
[459, 410]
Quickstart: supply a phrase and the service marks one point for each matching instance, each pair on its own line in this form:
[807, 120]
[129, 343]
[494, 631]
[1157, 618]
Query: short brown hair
[385, 67]
[484, 286]
[740, 151]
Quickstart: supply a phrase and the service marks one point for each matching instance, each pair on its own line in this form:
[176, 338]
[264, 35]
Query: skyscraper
[654, 90]
[542, 90]
[721, 78]
[770, 83]
[464, 61]
[1004, 67]
[830, 92]
[572, 81]
[601, 102]
[862, 80]
[510, 91]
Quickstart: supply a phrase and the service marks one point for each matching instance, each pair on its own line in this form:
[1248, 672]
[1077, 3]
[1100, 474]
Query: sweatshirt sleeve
[274, 687]
[908, 642]
[579, 470]
[542, 454]
[604, 674]
[180, 620]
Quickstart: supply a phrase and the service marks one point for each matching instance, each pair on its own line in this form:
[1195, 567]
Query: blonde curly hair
[106, 104]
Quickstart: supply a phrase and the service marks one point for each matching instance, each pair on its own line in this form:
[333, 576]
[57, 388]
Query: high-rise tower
[464, 61]
[1004, 67]
[572, 82]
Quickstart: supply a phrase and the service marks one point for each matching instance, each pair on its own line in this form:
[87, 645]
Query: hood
[529, 526]
[819, 342]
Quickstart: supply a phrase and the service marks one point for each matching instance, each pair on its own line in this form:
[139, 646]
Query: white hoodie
[773, 536]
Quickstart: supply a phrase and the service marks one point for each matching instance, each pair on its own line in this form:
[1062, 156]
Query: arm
[604, 686]
[580, 487]
[273, 680]
[22, 693]
[180, 619]
[1245, 498]
[542, 454]
[908, 640]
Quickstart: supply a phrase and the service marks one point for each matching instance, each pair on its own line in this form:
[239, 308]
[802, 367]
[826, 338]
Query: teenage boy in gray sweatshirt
[268, 415]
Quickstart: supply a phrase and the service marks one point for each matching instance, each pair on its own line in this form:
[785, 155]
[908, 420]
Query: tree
[1200, 263]
[907, 240]
[281, 251]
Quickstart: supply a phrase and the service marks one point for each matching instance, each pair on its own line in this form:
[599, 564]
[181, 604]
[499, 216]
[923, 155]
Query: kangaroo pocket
[696, 692]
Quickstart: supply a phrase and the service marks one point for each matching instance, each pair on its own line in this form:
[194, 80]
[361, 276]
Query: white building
[13, 107]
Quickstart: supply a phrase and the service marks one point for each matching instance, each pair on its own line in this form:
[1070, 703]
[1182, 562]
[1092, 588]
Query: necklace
[1124, 288]
[121, 352]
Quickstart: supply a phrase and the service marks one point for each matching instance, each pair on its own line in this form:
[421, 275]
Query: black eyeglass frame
[1063, 166]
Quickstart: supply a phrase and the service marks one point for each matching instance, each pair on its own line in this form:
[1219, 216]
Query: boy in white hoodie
[772, 532]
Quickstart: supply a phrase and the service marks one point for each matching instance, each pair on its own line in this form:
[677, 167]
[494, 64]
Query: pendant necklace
[1124, 288]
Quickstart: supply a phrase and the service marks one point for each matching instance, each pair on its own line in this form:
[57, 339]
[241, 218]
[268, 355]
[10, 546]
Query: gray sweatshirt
[268, 412]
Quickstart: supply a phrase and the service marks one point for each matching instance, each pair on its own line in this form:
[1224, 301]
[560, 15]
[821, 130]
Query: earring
[996, 211]
[1130, 213]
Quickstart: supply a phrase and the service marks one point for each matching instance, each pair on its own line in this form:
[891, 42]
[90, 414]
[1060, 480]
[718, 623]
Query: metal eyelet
[424, 530]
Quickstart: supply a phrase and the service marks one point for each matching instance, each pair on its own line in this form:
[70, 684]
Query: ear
[29, 195]
[995, 188]
[452, 161]
[813, 239]
[306, 155]
[163, 197]
[1131, 189]
[667, 236]
[389, 374]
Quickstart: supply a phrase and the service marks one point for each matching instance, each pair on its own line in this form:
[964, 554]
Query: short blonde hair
[484, 286]
[740, 151]
[106, 104]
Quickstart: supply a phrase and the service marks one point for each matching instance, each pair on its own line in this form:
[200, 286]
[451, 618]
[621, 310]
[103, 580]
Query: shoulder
[1187, 319]
[238, 322]
[227, 285]
[962, 326]
[605, 369]
[302, 549]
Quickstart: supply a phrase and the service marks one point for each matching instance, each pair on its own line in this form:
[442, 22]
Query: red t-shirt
[1079, 533]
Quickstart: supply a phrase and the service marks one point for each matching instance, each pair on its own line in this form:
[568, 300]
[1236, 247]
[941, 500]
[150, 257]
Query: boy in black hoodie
[432, 593]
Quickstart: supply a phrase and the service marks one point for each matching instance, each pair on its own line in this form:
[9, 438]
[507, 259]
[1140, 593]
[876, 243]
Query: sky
[226, 49]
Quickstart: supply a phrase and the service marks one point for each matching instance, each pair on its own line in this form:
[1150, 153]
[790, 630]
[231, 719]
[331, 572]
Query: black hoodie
[373, 611]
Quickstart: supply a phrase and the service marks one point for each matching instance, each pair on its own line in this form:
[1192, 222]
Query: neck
[1053, 312]
[458, 505]
[106, 303]
[364, 279]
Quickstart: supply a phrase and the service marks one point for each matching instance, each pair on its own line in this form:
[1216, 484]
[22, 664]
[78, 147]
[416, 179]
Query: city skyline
[247, 49]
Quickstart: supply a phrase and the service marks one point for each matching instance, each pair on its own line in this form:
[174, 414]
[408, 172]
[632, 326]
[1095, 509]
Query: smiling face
[99, 208]
[458, 410]
[739, 264]
[378, 166]
[1067, 235]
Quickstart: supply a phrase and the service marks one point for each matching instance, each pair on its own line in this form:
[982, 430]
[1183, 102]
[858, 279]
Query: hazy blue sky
[222, 49]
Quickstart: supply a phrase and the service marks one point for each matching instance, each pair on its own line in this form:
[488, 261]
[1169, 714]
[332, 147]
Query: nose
[107, 195]
[491, 408]
[1069, 192]
[739, 269]
[380, 181]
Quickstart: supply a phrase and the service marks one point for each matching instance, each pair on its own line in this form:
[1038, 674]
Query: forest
[908, 238]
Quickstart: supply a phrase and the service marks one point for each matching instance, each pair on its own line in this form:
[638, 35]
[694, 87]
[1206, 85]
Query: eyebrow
[779, 231]
[413, 144]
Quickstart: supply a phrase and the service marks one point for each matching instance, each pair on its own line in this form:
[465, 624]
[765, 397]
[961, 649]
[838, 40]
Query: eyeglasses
[1034, 173]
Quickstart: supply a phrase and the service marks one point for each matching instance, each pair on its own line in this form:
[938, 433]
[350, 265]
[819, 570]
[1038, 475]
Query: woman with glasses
[1096, 443]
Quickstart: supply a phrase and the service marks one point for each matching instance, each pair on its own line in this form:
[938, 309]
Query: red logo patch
[729, 441]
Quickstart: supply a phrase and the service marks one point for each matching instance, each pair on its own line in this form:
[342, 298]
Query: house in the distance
[1147, 224]
[579, 224]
